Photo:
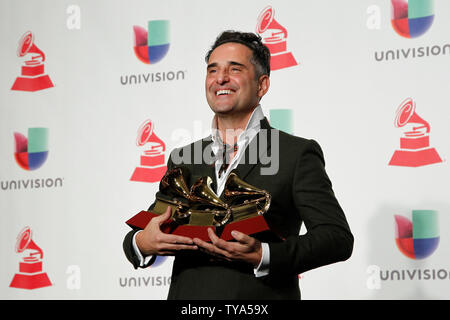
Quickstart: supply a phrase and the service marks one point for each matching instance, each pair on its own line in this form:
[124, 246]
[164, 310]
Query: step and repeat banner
[95, 94]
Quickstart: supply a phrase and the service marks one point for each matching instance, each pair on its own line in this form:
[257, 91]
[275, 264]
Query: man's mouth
[223, 92]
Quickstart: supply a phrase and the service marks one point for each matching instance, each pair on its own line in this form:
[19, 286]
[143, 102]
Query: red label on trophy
[274, 36]
[32, 76]
[30, 275]
[152, 165]
[415, 150]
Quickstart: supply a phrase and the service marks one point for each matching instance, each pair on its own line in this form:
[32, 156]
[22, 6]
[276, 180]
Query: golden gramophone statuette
[198, 208]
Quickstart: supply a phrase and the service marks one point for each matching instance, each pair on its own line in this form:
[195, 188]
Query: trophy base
[281, 61]
[141, 220]
[200, 232]
[32, 84]
[142, 174]
[418, 158]
[30, 281]
[248, 226]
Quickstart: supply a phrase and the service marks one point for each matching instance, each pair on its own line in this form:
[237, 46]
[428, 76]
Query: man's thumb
[165, 216]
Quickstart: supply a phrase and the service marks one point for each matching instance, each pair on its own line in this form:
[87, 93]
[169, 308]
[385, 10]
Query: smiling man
[233, 85]
[258, 266]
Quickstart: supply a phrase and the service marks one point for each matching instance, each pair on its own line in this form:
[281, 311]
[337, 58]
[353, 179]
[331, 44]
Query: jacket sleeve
[328, 238]
[127, 244]
[130, 253]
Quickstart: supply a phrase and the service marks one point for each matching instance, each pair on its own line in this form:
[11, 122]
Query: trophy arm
[222, 217]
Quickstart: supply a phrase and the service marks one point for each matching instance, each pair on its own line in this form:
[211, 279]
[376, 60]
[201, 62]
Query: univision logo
[412, 18]
[32, 152]
[417, 238]
[152, 45]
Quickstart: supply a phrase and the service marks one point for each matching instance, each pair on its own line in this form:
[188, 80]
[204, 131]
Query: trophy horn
[173, 183]
[237, 191]
[235, 186]
[206, 199]
[202, 192]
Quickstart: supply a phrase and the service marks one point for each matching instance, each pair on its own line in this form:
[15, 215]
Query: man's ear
[263, 85]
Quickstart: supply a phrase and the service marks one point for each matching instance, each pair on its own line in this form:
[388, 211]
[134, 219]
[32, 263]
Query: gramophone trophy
[153, 162]
[32, 76]
[415, 150]
[198, 208]
[30, 274]
[274, 37]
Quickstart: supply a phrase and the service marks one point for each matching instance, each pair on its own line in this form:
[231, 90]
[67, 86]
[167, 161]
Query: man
[251, 267]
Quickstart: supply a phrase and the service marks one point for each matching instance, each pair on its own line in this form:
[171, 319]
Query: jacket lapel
[208, 167]
[258, 148]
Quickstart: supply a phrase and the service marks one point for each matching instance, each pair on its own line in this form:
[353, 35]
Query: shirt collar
[253, 126]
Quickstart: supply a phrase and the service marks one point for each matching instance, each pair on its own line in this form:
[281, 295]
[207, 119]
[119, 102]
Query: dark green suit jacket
[301, 193]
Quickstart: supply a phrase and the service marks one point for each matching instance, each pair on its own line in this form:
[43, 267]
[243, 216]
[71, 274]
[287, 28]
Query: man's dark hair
[261, 54]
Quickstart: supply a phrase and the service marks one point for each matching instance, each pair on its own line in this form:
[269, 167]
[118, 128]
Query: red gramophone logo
[415, 150]
[153, 165]
[32, 77]
[30, 274]
[274, 37]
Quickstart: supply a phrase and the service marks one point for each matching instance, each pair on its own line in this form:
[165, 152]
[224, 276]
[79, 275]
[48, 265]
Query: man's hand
[246, 248]
[153, 241]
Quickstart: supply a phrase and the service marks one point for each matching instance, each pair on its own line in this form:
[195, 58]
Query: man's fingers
[219, 243]
[177, 247]
[242, 237]
[203, 244]
[212, 235]
[169, 244]
[174, 239]
[241, 249]
[172, 249]
[244, 242]
[159, 220]
[164, 217]
[216, 248]
[155, 241]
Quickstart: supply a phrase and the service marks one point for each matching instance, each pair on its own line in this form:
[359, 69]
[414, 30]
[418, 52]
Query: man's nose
[222, 76]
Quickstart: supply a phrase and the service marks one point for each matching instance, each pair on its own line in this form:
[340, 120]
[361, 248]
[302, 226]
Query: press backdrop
[345, 73]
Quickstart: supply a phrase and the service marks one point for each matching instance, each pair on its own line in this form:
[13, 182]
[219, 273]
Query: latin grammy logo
[415, 150]
[32, 76]
[30, 274]
[153, 165]
[274, 37]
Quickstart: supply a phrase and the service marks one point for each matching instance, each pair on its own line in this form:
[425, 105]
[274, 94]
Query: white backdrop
[343, 92]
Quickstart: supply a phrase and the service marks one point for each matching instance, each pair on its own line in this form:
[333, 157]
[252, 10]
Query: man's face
[231, 87]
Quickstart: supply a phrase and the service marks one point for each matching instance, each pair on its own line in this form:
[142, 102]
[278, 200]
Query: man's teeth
[220, 92]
